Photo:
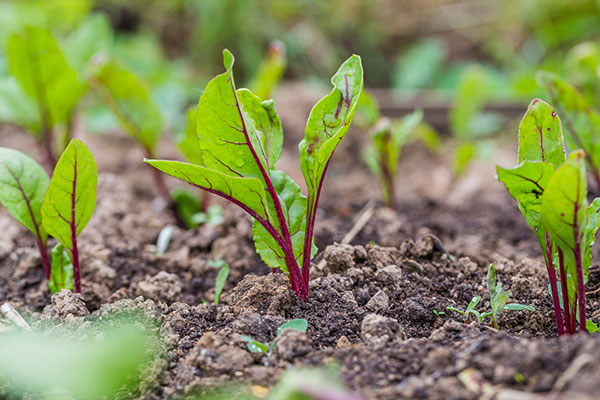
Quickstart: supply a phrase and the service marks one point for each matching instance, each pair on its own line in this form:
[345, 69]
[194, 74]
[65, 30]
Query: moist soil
[376, 305]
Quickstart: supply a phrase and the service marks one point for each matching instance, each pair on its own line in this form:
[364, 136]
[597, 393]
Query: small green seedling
[551, 191]
[255, 346]
[387, 137]
[498, 302]
[70, 200]
[221, 277]
[270, 71]
[470, 311]
[499, 298]
[240, 137]
[438, 313]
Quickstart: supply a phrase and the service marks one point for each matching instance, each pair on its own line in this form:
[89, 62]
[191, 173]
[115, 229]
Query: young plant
[499, 298]
[44, 89]
[69, 202]
[240, 139]
[551, 192]
[498, 302]
[221, 277]
[470, 311]
[387, 137]
[131, 102]
[300, 325]
[23, 183]
[469, 123]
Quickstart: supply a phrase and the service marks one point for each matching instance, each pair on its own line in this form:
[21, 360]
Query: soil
[372, 302]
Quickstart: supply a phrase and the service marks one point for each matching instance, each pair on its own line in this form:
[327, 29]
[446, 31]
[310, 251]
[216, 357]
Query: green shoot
[300, 325]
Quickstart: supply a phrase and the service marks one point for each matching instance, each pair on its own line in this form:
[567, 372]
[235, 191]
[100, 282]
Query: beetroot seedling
[70, 201]
[551, 193]
[240, 140]
[221, 278]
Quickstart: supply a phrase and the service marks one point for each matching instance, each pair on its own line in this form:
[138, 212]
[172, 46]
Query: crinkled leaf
[300, 325]
[580, 120]
[220, 281]
[293, 203]
[540, 135]
[270, 71]
[328, 123]
[71, 197]
[130, 101]
[61, 274]
[526, 184]
[39, 65]
[23, 184]
[564, 203]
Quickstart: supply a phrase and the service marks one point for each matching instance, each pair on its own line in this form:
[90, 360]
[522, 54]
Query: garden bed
[372, 302]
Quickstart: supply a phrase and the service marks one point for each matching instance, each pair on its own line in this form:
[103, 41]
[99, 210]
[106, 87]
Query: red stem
[74, 251]
[44, 256]
[552, 275]
[565, 292]
[580, 284]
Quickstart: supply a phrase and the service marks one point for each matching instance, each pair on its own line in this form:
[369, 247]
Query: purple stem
[286, 244]
[565, 292]
[579, 269]
[74, 251]
[44, 256]
[552, 275]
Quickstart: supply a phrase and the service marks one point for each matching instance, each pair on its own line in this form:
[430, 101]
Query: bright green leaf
[23, 184]
[71, 197]
[270, 71]
[540, 135]
[220, 281]
[300, 325]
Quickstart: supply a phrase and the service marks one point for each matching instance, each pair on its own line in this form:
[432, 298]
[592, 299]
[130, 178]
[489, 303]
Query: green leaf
[581, 121]
[16, 106]
[540, 135]
[71, 197]
[491, 280]
[526, 183]
[61, 274]
[474, 301]
[564, 203]
[249, 193]
[130, 101]
[327, 125]
[293, 203]
[472, 95]
[220, 281]
[591, 229]
[92, 36]
[213, 216]
[40, 67]
[270, 71]
[462, 157]
[187, 206]
[417, 65]
[590, 326]
[516, 306]
[582, 65]
[23, 184]
[457, 310]
[255, 346]
[300, 325]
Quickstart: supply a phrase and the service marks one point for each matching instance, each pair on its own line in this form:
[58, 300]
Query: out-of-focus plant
[43, 91]
[100, 360]
[221, 277]
[300, 325]
[270, 71]
[387, 137]
[469, 123]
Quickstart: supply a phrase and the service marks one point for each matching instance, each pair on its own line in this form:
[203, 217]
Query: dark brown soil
[371, 306]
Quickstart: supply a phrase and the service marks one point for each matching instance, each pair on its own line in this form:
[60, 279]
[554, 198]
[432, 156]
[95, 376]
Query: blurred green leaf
[417, 66]
[270, 71]
[92, 36]
[220, 281]
[61, 273]
[300, 325]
